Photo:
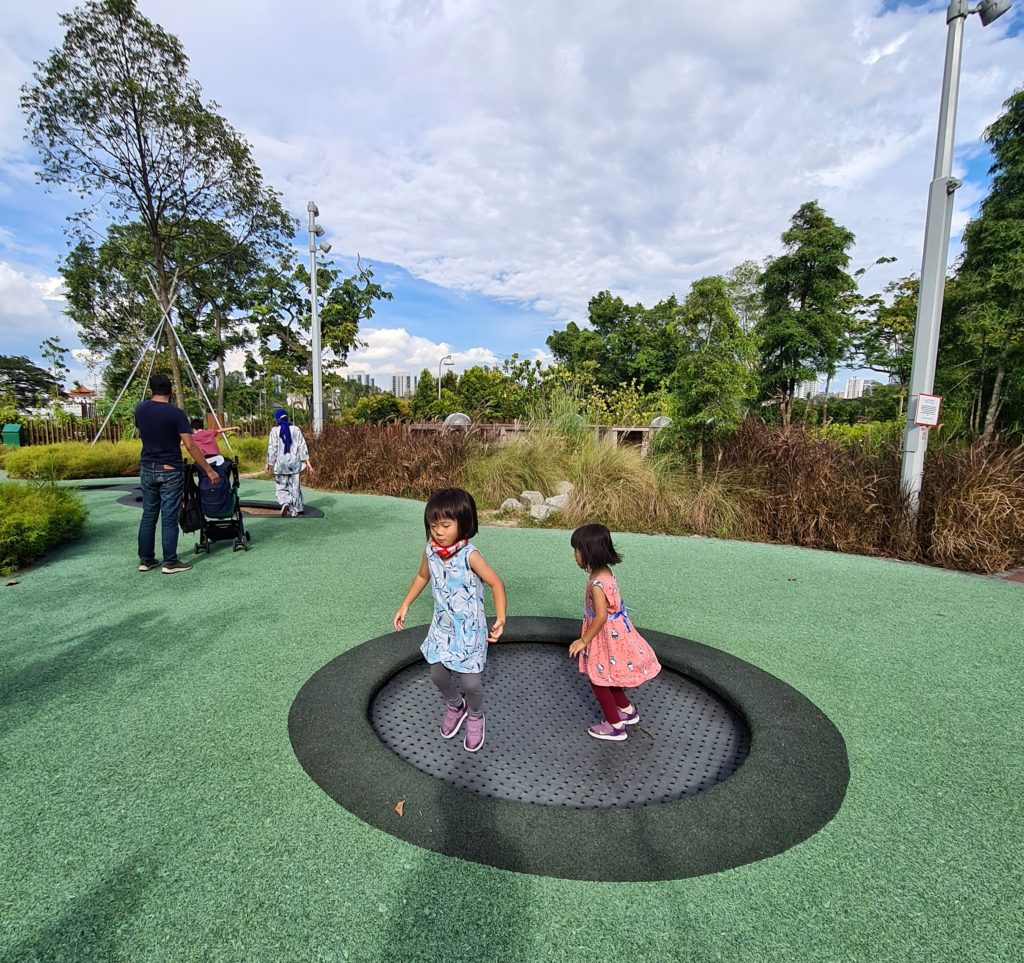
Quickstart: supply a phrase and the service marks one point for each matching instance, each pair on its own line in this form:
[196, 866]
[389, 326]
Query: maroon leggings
[611, 698]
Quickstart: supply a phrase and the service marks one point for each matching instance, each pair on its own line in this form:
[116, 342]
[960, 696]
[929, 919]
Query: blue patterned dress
[458, 632]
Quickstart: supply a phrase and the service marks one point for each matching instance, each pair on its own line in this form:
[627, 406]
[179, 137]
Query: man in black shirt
[164, 428]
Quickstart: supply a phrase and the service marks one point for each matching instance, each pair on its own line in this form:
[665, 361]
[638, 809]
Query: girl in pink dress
[611, 651]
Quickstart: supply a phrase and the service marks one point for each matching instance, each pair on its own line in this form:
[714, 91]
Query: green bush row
[79, 459]
[35, 520]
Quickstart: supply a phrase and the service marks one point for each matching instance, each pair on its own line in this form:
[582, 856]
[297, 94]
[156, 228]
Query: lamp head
[325, 247]
[990, 10]
[319, 230]
[313, 209]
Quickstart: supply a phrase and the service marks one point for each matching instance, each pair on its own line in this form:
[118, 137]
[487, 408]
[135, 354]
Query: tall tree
[987, 304]
[282, 319]
[424, 398]
[712, 376]
[626, 342]
[55, 353]
[115, 116]
[26, 383]
[883, 332]
[806, 305]
[744, 285]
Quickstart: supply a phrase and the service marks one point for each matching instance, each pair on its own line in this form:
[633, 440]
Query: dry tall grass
[791, 487]
[385, 460]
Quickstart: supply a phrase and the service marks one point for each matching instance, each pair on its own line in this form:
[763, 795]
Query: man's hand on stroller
[213, 476]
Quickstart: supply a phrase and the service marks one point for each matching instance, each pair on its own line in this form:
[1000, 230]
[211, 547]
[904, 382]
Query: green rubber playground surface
[151, 807]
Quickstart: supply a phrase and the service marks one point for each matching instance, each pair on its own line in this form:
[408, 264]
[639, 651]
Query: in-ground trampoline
[728, 764]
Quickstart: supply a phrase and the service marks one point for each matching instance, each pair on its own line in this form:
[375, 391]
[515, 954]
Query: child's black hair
[453, 503]
[197, 423]
[594, 543]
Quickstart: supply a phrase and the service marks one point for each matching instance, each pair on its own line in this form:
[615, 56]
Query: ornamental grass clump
[387, 460]
[972, 508]
[75, 459]
[34, 520]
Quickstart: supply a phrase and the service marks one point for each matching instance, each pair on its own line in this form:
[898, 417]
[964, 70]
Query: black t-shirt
[161, 426]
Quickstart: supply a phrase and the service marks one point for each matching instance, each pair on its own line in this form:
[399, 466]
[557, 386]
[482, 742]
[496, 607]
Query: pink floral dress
[618, 655]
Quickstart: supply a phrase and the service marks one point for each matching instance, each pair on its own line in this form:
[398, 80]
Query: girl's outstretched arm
[489, 577]
[596, 623]
[419, 582]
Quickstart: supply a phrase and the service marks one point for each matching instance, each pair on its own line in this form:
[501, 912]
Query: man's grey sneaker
[148, 564]
[176, 566]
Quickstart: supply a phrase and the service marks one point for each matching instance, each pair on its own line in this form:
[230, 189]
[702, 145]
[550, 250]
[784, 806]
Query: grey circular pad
[537, 750]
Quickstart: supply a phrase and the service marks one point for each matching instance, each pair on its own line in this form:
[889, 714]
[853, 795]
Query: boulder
[512, 505]
[541, 512]
[556, 501]
[564, 488]
[529, 499]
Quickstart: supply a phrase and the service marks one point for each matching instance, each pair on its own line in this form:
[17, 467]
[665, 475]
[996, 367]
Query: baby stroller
[217, 508]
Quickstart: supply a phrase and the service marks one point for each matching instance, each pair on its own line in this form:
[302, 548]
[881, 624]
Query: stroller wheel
[248, 536]
[237, 545]
[199, 548]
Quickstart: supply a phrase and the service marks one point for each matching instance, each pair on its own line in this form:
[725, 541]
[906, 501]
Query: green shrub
[75, 459]
[35, 520]
[873, 436]
[251, 452]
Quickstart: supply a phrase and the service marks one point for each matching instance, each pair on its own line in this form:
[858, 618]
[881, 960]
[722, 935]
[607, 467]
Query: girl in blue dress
[458, 636]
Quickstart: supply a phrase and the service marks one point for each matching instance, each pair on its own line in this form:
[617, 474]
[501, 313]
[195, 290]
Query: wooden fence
[43, 431]
[496, 433]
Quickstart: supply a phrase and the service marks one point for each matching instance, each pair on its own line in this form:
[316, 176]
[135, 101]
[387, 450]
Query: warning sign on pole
[927, 414]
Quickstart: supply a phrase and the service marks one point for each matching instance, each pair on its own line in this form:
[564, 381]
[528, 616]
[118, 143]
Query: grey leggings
[470, 682]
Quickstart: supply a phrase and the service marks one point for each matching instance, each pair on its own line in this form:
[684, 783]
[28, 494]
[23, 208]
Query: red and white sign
[927, 414]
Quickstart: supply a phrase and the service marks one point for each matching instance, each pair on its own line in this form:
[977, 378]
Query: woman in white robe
[287, 458]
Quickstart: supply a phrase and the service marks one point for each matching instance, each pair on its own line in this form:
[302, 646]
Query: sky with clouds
[499, 163]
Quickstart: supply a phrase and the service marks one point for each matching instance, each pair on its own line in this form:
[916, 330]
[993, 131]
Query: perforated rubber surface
[537, 750]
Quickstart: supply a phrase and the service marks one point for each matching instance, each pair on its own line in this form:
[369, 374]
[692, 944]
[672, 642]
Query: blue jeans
[162, 486]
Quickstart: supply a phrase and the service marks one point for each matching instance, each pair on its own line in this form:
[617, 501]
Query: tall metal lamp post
[315, 231]
[446, 360]
[936, 251]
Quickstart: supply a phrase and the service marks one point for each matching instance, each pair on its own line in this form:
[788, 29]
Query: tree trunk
[786, 408]
[994, 405]
[164, 297]
[824, 411]
[699, 458]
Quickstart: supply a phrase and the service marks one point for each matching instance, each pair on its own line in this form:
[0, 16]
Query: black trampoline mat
[707, 714]
[537, 750]
[134, 500]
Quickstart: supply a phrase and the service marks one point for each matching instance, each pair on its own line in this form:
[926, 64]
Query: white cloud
[392, 350]
[29, 301]
[541, 152]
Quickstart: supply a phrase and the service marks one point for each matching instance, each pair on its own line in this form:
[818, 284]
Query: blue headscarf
[281, 417]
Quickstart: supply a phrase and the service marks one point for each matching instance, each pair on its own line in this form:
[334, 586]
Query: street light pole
[446, 360]
[318, 385]
[936, 246]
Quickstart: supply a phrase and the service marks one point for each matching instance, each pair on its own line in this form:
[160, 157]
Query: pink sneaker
[452, 721]
[605, 730]
[474, 733]
[630, 718]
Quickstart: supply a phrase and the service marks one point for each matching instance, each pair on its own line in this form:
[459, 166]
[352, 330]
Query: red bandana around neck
[446, 553]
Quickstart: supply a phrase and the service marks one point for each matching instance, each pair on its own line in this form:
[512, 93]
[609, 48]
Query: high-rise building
[807, 389]
[362, 378]
[854, 388]
[403, 385]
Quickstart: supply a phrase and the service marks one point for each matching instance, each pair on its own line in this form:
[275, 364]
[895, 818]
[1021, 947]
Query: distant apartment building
[403, 385]
[362, 378]
[854, 388]
[806, 389]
